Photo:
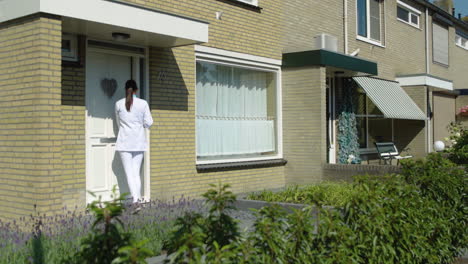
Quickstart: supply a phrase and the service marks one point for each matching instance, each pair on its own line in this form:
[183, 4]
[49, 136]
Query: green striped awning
[390, 98]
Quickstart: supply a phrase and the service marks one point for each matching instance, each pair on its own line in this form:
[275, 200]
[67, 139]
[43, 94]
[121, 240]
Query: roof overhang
[329, 59]
[425, 79]
[99, 18]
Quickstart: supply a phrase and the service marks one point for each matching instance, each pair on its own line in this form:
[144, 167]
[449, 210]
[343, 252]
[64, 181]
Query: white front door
[106, 74]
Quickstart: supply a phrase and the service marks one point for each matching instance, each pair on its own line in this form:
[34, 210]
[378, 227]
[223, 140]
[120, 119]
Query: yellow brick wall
[411, 134]
[241, 29]
[444, 114]
[304, 130]
[30, 120]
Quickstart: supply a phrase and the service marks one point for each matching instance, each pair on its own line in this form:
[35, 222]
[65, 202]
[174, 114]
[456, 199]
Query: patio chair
[387, 151]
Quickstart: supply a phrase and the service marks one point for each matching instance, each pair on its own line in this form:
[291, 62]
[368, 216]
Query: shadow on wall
[168, 90]
[409, 136]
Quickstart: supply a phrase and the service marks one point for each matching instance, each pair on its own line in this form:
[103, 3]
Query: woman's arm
[147, 119]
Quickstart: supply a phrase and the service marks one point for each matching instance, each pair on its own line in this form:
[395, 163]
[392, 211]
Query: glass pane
[372, 109]
[415, 19]
[374, 10]
[362, 131]
[362, 17]
[402, 14]
[380, 130]
[361, 103]
[236, 112]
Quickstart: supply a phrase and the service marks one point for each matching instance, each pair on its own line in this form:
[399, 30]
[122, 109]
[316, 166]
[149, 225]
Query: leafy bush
[416, 217]
[458, 151]
[326, 193]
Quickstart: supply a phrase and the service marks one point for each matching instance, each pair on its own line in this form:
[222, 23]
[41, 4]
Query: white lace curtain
[232, 111]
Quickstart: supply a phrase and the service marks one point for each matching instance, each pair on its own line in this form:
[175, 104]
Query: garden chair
[387, 151]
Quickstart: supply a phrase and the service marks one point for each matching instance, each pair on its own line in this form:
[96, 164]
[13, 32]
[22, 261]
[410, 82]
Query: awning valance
[329, 58]
[390, 98]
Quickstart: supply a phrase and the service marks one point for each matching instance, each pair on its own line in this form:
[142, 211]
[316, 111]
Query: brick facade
[30, 120]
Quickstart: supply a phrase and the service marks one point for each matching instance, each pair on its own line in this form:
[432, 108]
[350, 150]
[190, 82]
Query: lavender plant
[61, 233]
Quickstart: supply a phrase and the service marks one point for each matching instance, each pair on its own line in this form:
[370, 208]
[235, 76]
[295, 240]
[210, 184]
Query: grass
[325, 193]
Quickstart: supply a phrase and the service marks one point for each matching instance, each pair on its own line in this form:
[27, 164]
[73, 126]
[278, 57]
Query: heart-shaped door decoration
[109, 86]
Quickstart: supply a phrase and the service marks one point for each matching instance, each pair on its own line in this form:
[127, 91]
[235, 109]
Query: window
[440, 44]
[461, 41]
[408, 14]
[69, 47]
[236, 115]
[369, 20]
[371, 124]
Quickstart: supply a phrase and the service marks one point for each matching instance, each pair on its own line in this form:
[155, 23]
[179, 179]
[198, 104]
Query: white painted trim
[253, 62]
[370, 41]
[425, 80]
[238, 160]
[410, 24]
[236, 57]
[110, 13]
[410, 8]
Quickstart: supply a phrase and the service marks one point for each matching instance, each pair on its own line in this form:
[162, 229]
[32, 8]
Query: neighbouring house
[246, 92]
[401, 64]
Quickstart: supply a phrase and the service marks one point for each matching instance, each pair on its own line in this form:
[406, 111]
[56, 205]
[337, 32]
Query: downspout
[428, 99]
[345, 24]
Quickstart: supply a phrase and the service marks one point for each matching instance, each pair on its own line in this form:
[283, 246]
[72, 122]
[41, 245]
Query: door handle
[108, 140]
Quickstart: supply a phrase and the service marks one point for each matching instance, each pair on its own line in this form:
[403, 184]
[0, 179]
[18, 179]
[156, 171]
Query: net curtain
[232, 111]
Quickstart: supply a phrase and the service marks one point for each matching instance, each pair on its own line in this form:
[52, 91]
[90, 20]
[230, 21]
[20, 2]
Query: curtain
[232, 111]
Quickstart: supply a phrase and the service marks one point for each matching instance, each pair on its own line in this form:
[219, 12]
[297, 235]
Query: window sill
[240, 165]
[440, 64]
[409, 24]
[243, 4]
[375, 43]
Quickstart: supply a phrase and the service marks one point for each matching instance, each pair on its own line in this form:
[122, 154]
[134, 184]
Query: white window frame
[246, 61]
[411, 11]
[459, 40]
[368, 38]
[249, 2]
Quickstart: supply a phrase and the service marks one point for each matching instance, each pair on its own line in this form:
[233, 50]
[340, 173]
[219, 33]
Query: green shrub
[325, 193]
[417, 217]
[458, 151]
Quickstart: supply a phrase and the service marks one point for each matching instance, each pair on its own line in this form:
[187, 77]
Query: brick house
[412, 42]
[228, 100]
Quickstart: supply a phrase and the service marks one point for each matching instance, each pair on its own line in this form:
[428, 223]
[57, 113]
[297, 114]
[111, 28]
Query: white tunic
[131, 136]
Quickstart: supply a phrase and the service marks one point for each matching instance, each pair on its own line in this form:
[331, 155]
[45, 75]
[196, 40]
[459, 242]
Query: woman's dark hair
[130, 87]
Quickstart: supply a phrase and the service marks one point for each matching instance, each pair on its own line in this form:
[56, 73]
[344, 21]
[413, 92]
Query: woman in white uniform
[133, 117]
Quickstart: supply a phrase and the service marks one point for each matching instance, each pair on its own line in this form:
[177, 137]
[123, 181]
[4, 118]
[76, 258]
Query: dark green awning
[329, 58]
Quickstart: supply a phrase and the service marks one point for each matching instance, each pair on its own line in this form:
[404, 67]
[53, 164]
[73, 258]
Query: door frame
[146, 162]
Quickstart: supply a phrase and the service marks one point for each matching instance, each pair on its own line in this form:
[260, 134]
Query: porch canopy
[390, 98]
[100, 18]
[329, 59]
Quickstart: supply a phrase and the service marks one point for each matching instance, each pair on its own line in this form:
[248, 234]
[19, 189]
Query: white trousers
[131, 161]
